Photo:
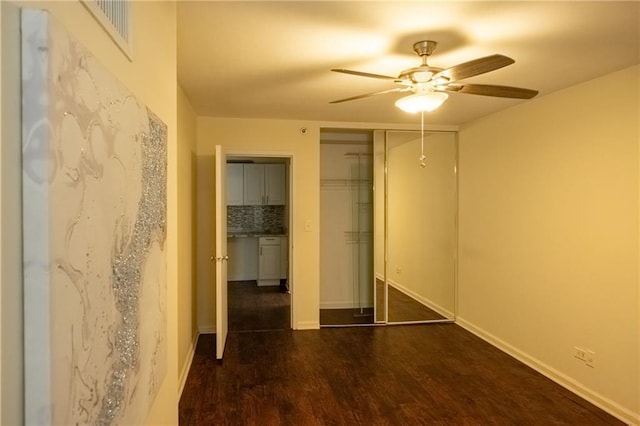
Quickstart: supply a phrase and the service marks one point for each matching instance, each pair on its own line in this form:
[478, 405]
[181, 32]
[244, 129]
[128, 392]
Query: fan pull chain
[422, 157]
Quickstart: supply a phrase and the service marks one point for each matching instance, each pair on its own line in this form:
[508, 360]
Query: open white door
[221, 257]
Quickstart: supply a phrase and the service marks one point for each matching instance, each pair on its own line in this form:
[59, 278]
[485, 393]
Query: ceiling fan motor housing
[425, 47]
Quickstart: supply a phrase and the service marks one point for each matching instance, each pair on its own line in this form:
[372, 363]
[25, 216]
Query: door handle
[220, 259]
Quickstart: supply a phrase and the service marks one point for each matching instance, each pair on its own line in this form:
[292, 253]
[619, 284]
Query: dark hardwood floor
[402, 308]
[346, 316]
[435, 374]
[253, 308]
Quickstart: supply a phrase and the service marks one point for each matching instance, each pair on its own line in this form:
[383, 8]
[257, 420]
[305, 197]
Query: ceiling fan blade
[366, 95]
[364, 74]
[492, 90]
[475, 67]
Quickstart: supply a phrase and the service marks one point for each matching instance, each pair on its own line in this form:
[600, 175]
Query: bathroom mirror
[420, 226]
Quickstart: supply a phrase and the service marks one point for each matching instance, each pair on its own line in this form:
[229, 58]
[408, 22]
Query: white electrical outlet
[398, 269]
[589, 358]
[585, 355]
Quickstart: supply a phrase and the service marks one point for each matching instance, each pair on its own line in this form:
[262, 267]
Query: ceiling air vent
[115, 18]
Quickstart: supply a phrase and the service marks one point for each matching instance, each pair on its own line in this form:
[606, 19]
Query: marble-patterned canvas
[94, 218]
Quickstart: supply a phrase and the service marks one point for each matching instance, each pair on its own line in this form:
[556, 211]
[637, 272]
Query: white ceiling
[273, 59]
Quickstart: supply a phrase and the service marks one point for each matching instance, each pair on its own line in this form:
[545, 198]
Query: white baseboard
[307, 325]
[426, 302]
[562, 379]
[182, 380]
[207, 329]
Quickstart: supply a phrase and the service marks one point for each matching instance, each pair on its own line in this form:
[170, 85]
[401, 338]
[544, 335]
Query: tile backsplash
[255, 218]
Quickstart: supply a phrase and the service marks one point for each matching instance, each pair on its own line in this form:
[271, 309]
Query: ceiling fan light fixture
[422, 76]
[421, 102]
[428, 83]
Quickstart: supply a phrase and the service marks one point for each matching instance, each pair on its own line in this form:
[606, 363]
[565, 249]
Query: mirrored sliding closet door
[388, 227]
[421, 216]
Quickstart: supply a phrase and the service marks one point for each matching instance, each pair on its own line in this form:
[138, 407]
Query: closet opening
[346, 228]
[388, 226]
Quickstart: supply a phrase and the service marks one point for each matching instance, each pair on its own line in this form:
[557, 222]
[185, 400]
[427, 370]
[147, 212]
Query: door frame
[291, 191]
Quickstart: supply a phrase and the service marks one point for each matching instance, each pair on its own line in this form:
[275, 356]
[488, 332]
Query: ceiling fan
[437, 82]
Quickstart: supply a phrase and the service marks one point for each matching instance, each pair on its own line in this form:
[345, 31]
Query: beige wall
[151, 76]
[549, 235]
[12, 355]
[2, 281]
[274, 138]
[187, 312]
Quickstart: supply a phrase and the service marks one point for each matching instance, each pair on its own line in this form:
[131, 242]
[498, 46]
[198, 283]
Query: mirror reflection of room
[421, 223]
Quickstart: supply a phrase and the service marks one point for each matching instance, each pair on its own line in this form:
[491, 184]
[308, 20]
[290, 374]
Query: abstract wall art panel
[94, 217]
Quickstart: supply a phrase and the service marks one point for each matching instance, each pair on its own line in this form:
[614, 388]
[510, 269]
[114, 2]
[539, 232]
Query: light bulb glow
[421, 102]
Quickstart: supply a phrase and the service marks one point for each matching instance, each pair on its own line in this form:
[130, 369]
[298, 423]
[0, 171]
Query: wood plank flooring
[402, 308]
[436, 374]
[253, 308]
[346, 316]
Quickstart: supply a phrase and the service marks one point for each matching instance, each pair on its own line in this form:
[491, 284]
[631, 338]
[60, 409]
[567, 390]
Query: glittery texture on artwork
[94, 217]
